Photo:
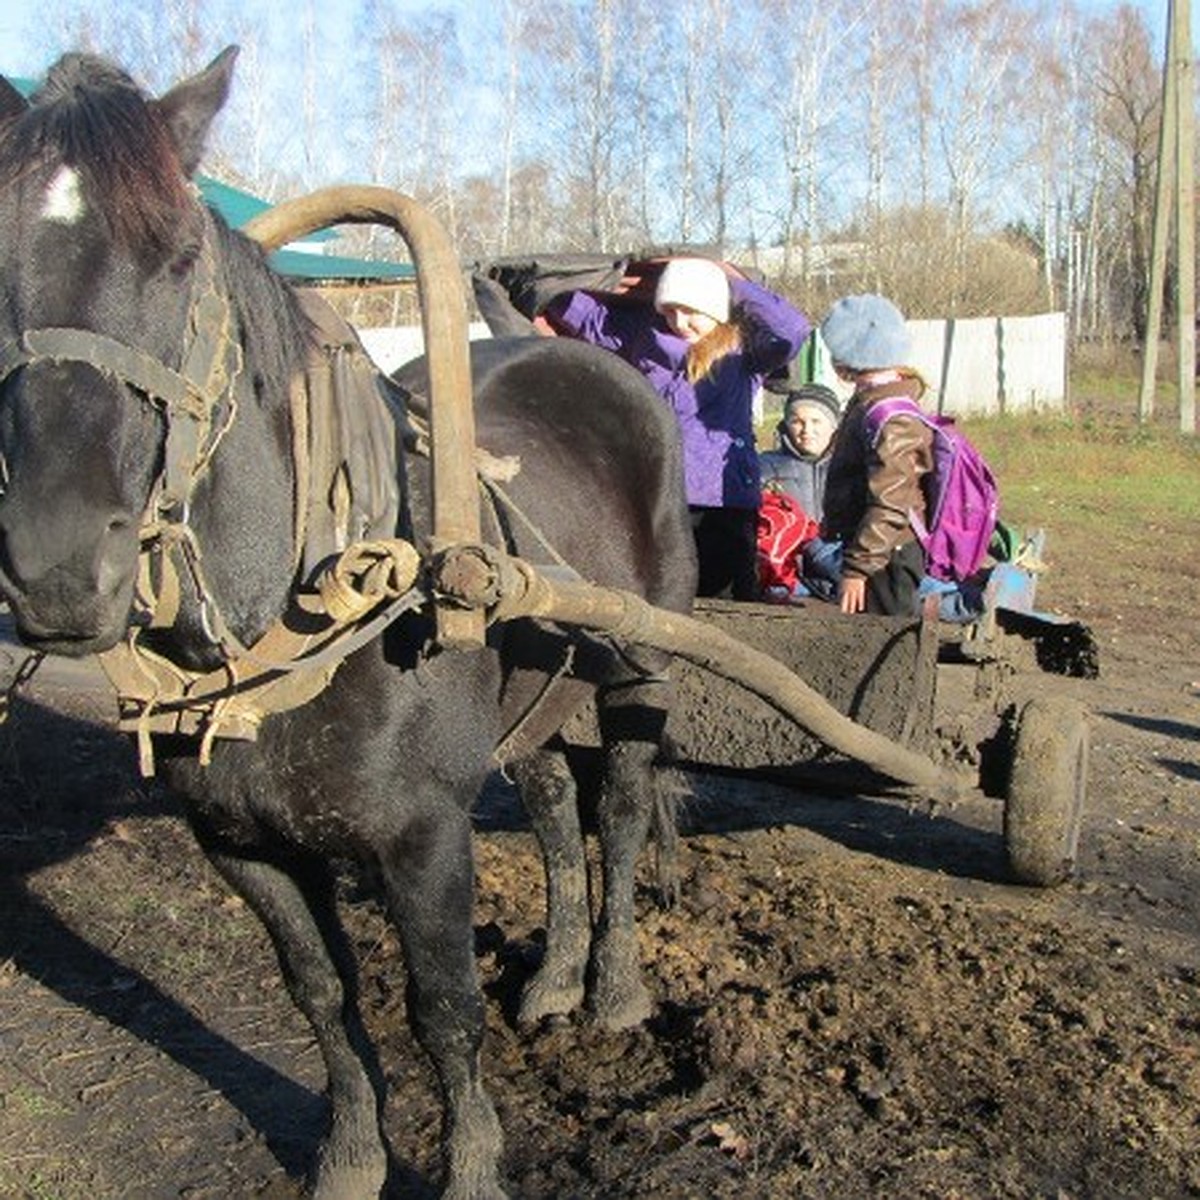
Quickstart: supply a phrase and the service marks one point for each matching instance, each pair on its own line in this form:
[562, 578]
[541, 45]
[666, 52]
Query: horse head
[118, 345]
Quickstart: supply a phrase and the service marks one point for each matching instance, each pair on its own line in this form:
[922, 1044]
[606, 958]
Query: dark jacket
[870, 490]
[800, 475]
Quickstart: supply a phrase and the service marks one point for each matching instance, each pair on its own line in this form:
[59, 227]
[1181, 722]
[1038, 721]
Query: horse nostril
[116, 553]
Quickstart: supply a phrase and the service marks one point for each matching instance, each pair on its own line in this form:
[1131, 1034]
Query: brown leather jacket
[870, 491]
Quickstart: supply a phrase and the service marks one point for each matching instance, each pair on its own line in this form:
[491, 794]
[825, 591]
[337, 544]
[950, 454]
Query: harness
[345, 511]
[360, 578]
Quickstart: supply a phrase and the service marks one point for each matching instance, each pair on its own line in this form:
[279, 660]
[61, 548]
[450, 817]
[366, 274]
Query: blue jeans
[957, 602]
[821, 568]
[821, 572]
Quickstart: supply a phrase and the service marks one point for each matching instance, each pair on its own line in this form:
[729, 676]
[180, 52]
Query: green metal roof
[237, 207]
[334, 268]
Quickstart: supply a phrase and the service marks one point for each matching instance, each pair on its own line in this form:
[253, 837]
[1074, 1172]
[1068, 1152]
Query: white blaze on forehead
[64, 198]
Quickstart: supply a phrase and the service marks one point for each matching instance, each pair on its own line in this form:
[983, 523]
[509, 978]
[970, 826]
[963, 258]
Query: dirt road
[851, 1000]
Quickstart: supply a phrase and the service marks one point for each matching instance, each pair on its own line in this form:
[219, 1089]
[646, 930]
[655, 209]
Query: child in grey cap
[872, 489]
[875, 486]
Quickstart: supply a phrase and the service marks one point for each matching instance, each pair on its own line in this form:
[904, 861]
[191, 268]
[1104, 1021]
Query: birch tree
[803, 101]
[981, 74]
[1127, 110]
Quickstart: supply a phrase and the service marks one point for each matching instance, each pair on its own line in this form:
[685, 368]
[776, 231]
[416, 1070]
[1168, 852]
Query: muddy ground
[852, 1001]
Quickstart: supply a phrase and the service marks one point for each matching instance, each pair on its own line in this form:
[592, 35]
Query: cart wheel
[1046, 786]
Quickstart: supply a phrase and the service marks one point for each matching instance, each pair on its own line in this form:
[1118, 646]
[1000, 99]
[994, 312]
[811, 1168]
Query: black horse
[153, 501]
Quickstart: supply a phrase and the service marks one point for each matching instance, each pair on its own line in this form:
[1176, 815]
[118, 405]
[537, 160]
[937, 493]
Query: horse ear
[189, 107]
[12, 103]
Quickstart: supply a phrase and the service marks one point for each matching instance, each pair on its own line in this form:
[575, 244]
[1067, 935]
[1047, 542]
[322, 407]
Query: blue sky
[28, 46]
[22, 21]
[23, 32]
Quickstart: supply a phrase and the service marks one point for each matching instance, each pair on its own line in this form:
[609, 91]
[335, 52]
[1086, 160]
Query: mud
[852, 998]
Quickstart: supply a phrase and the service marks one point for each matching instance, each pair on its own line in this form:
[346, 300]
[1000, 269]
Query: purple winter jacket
[715, 415]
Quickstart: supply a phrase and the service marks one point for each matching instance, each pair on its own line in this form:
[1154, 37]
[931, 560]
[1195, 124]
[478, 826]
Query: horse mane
[274, 331]
[90, 115]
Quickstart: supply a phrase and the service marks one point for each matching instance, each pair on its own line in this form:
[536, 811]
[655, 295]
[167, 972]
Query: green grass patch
[1109, 471]
[32, 1102]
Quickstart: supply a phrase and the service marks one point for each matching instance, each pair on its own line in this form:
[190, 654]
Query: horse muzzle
[75, 606]
[73, 629]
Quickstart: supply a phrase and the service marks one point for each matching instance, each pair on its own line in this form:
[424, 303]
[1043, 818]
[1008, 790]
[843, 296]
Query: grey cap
[866, 332]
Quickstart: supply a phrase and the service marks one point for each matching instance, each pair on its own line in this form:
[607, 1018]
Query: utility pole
[1185, 230]
[1161, 235]
[1175, 180]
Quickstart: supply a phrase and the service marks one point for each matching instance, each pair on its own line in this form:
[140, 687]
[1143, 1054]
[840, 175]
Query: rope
[24, 674]
[365, 575]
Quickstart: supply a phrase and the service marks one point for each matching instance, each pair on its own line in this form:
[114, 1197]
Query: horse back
[599, 486]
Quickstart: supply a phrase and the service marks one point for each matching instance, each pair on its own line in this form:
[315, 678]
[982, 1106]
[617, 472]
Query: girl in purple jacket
[706, 345]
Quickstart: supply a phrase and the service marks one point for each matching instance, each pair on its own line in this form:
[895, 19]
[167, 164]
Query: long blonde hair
[722, 340]
[913, 373]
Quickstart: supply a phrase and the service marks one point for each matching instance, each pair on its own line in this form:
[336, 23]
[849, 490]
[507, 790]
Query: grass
[1107, 473]
[34, 1103]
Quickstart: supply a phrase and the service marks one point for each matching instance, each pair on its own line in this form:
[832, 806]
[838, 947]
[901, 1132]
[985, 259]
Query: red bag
[783, 527]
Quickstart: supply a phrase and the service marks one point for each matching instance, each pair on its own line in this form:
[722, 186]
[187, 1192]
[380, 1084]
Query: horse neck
[241, 511]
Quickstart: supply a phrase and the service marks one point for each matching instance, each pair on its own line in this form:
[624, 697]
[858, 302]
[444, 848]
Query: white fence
[982, 366]
[394, 345]
[986, 365]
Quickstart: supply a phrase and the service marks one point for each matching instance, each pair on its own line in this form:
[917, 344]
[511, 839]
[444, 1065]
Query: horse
[164, 508]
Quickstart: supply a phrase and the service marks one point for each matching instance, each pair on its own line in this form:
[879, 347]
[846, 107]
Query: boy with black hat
[803, 437]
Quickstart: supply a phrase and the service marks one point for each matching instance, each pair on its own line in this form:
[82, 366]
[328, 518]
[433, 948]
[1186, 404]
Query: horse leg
[428, 877]
[548, 792]
[632, 719]
[300, 917]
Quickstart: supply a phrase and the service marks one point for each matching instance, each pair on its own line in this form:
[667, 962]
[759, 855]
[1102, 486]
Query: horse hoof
[625, 1009]
[541, 1000]
[349, 1183]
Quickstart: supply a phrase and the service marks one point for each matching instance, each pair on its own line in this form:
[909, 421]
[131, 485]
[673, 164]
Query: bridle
[190, 397]
[367, 586]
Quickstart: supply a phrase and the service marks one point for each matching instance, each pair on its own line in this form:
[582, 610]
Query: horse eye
[185, 260]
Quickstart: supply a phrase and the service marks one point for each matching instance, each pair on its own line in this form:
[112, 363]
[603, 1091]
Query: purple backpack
[961, 499]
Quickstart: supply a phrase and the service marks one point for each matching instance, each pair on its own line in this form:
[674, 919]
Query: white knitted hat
[696, 283]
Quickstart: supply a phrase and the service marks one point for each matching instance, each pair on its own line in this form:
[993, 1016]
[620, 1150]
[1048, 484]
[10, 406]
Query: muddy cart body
[886, 673]
[880, 672]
